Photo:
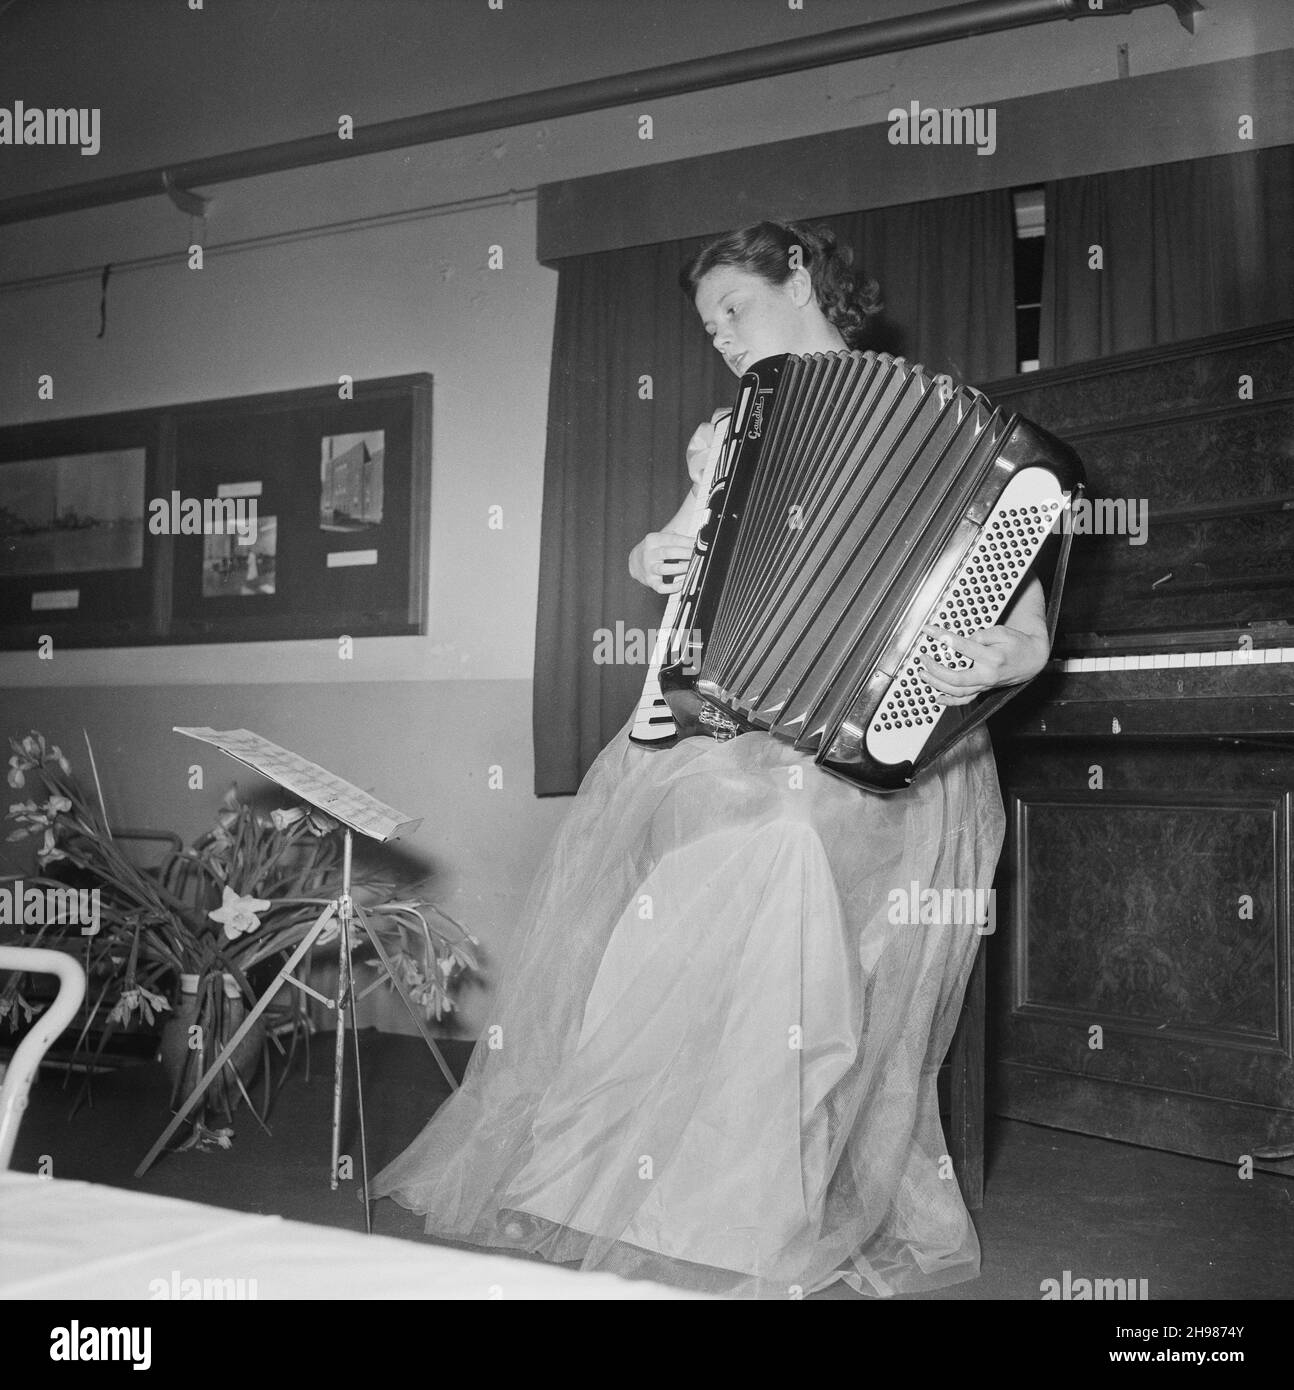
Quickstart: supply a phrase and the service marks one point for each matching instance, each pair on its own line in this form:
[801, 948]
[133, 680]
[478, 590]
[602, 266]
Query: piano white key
[1158, 661]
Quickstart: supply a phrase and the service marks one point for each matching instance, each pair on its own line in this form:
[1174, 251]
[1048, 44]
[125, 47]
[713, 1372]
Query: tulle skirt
[712, 1057]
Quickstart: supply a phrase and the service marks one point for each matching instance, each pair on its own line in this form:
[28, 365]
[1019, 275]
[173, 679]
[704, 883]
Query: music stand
[356, 810]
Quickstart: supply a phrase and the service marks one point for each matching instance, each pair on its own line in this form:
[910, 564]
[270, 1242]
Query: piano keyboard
[1231, 694]
[1169, 661]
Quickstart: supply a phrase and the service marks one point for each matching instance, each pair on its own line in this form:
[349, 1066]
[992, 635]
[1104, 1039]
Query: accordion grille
[863, 457]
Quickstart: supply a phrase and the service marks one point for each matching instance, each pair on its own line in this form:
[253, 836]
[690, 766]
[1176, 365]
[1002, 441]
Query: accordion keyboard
[983, 585]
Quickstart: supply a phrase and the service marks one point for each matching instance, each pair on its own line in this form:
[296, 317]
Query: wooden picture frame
[291, 515]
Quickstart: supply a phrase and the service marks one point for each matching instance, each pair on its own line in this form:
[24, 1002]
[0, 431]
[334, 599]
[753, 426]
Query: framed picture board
[299, 514]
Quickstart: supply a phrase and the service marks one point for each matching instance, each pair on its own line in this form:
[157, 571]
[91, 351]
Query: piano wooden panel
[1144, 892]
[1215, 470]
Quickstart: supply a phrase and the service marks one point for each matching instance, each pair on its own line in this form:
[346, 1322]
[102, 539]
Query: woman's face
[749, 319]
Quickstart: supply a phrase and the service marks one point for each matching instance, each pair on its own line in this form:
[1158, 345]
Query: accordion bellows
[856, 500]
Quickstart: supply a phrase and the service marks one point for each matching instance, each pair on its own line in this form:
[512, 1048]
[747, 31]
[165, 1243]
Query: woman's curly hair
[848, 299]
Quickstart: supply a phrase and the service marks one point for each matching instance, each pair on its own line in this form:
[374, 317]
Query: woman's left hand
[1002, 656]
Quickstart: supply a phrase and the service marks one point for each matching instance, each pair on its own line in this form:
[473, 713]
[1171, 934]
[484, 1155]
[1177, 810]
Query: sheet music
[312, 783]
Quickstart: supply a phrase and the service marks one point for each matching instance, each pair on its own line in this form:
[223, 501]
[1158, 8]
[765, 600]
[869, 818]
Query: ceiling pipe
[620, 89]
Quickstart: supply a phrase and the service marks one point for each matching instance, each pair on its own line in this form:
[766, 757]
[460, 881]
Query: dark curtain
[1188, 249]
[614, 467]
[613, 471]
[946, 274]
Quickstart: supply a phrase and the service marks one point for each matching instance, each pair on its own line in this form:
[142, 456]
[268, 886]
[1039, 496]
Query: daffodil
[11, 1004]
[139, 998]
[49, 851]
[204, 1138]
[33, 819]
[288, 817]
[237, 914]
[28, 818]
[226, 819]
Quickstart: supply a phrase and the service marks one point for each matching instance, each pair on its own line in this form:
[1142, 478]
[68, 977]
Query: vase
[186, 1055]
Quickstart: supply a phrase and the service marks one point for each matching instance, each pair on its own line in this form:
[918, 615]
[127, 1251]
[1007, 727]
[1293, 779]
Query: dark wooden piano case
[1140, 975]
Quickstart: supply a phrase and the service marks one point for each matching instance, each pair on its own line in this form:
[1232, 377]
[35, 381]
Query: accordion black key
[855, 501]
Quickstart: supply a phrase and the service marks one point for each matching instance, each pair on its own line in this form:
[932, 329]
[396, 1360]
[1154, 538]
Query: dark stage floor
[1054, 1201]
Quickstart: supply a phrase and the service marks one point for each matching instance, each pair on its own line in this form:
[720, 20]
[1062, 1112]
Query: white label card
[47, 599]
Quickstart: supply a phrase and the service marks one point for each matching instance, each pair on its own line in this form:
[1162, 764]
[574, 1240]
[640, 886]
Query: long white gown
[712, 1057]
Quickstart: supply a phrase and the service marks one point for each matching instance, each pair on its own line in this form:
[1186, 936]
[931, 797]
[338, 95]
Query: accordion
[855, 501]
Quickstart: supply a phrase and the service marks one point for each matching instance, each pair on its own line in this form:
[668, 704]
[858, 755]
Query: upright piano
[1141, 972]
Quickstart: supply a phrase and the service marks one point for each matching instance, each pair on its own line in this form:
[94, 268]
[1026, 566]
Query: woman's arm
[1009, 654]
[659, 559]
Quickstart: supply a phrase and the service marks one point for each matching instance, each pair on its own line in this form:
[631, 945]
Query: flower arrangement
[219, 916]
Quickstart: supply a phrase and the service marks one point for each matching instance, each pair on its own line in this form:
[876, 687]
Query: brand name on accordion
[636, 646]
[757, 417]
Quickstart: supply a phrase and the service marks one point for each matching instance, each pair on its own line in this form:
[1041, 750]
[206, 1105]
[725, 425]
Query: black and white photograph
[240, 562]
[647, 654]
[62, 515]
[350, 481]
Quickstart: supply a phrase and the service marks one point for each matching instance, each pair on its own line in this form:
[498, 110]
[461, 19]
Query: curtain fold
[631, 377]
[1185, 250]
[633, 374]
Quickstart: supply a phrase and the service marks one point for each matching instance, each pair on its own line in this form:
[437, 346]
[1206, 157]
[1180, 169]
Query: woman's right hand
[659, 560]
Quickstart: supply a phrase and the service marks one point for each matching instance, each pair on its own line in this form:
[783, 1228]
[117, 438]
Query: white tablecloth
[82, 1240]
